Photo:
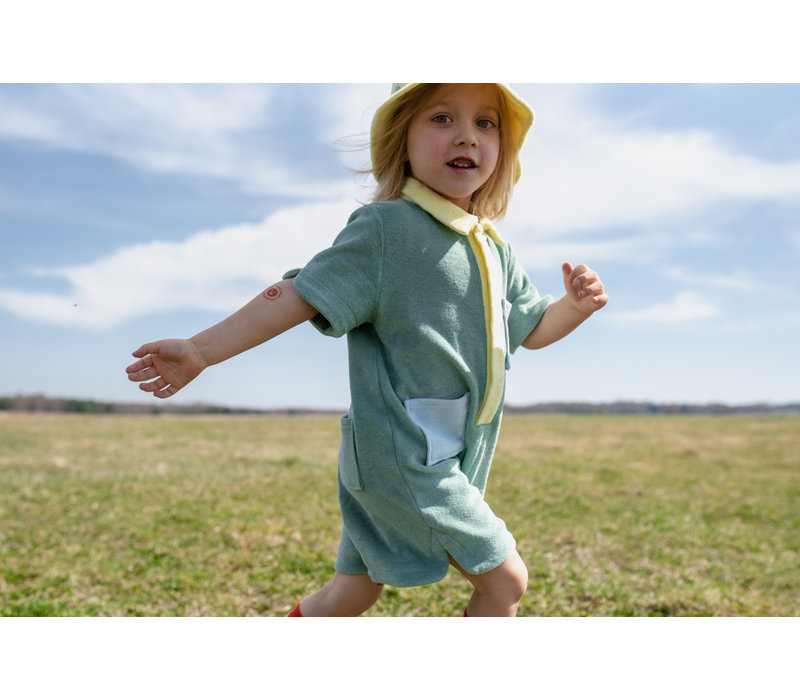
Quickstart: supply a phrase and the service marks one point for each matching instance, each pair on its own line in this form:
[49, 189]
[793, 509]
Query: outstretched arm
[585, 294]
[166, 366]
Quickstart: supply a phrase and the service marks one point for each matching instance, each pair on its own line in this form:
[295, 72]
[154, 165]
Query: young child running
[433, 302]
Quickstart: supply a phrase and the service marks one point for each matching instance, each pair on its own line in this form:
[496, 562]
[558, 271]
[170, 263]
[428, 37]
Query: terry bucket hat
[521, 118]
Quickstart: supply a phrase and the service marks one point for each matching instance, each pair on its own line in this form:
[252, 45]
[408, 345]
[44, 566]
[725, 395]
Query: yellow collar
[446, 212]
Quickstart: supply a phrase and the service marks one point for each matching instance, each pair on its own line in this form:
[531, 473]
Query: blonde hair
[391, 170]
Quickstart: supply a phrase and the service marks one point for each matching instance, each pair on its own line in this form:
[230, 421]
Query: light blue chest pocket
[444, 423]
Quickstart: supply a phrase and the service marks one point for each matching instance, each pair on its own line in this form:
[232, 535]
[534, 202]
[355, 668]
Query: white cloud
[584, 171]
[738, 279]
[219, 131]
[94, 117]
[19, 121]
[210, 271]
[686, 306]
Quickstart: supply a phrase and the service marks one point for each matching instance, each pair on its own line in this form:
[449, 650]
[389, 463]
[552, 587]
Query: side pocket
[444, 423]
[506, 312]
[348, 462]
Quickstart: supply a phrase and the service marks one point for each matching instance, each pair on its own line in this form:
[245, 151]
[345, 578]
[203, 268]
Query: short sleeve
[527, 305]
[343, 282]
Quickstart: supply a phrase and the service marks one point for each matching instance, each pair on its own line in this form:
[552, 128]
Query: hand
[584, 288]
[171, 364]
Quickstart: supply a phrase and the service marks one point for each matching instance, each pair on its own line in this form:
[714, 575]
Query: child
[433, 301]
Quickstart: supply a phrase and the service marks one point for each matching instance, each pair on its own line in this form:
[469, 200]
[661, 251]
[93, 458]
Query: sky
[154, 176]
[132, 212]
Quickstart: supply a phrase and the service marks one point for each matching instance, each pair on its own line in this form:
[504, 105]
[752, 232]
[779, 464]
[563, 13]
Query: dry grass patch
[158, 515]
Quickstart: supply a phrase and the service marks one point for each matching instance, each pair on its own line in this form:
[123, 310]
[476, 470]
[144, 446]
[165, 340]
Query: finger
[140, 365]
[161, 388]
[157, 385]
[577, 271]
[581, 276]
[142, 375]
[166, 392]
[600, 300]
[593, 289]
[588, 281]
[147, 349]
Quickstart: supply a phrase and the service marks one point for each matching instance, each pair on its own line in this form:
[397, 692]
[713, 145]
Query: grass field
[237, 516]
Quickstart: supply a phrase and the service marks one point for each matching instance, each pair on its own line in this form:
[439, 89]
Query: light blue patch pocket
[444, 423]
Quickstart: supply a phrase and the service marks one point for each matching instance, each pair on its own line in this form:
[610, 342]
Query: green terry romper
[413, 464]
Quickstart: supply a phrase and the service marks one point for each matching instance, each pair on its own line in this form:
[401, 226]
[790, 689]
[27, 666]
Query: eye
[485, 123]
[441, 119]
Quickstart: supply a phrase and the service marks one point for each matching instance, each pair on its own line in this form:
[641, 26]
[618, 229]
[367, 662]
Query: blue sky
[130, 212]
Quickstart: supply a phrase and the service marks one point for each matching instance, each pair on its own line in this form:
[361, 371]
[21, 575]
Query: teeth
[461, 164]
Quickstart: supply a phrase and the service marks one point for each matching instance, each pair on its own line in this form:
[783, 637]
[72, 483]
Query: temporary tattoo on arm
[272, 293]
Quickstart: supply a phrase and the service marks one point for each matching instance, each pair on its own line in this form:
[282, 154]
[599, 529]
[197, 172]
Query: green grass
[237, 516]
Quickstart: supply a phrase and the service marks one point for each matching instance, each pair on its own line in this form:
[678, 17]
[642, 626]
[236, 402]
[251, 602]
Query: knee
[510, 581]
[515, 583]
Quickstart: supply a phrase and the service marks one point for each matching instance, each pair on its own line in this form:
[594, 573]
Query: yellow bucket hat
[521, 118]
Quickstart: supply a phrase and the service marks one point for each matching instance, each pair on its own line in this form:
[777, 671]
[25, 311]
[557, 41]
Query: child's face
[454, 140]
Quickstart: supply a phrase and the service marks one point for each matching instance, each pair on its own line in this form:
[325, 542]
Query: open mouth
[462, 163]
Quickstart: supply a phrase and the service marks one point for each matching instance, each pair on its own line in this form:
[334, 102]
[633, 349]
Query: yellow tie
[478, 232]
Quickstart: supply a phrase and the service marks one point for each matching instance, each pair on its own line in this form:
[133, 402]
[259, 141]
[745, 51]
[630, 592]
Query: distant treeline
[645, 408]
[42, 403]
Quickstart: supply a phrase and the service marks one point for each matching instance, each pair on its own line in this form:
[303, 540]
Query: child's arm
[585, 295]
[169, 365]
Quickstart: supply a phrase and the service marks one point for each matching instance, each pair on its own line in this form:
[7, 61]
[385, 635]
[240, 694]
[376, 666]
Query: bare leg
[347, 595]
[499, 591]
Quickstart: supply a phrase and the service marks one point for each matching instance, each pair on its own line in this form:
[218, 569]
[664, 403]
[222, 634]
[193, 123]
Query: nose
[466, 135]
